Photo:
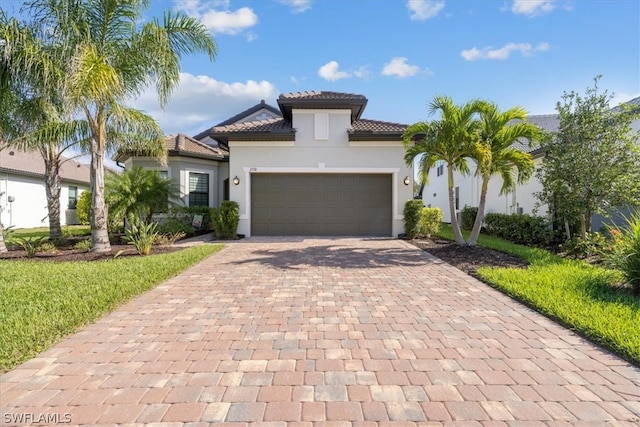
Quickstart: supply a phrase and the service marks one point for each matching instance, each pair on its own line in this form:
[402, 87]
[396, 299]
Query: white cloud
[398, 67]
[297, 6]
[251, 36]
[330, 71]
[201, 101]
[525, 49]
[532, 7]
[424, 9]
[219, 21]
[362, 72]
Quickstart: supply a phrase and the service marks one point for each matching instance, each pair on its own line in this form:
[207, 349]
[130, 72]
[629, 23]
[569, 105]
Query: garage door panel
[321, 204]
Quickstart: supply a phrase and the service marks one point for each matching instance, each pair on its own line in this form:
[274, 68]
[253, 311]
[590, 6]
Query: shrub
[47, 247]
[31, 244]
[188, 212]
[519, 228]
[175, 225]
[625, 253]
[412, 215]
[468, 217]
[169, 238]
[225, 220]
[142, 236]
[594, 245]
[83, 207]
[82, 246]
[430, 221]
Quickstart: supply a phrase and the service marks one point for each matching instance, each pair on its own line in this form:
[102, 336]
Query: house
[23, 198]
[521, 200]
[311, 167]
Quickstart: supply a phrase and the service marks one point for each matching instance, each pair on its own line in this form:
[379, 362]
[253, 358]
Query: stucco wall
[29, 209]
[308, 155]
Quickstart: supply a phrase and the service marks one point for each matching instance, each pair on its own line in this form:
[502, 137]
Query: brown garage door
[321, 205]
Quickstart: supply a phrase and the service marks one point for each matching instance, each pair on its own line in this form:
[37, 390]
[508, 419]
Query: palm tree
[137, 194]
[495, 154]
[96, 56]
[450, 139]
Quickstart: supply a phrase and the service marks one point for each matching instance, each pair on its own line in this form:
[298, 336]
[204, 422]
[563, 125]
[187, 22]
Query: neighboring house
[311, 167]
[23, 196]
[521, 200]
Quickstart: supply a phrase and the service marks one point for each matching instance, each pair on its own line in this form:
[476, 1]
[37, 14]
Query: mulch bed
[61, 255]
[468, 258]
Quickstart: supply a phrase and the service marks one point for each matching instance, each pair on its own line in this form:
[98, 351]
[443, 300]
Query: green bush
[519, 228]
[82, 246]
[142, 236]
[187, 213]
[412, 215]
[593, 246]
[225, 220]
[430, 221]
[468, 217]
[175, 225]
[31, 244]
[83, 207]
[625, 253]
[169, 238]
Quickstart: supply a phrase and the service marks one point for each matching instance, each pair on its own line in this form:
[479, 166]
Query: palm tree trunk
[52, 185]
[477, 225]
[452, 207]
[99, 232]
[3, 247]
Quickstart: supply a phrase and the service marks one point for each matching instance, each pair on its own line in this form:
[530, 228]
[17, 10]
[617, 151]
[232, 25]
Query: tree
[137, 193]
[450, 139]
[495, 155]
[592, 163]
[96, 56]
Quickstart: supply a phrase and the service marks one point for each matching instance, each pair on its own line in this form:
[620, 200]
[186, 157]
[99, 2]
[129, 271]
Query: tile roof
[269, 125]
[181, 144]
[31, 163]
[323, 95]
[366, 125]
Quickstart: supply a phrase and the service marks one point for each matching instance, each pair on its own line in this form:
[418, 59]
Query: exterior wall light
[236, 180]
[407, 180]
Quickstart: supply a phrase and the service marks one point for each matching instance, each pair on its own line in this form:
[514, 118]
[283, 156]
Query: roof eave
[375, 136]
[176, 153]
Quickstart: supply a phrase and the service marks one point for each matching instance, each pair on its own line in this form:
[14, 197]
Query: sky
[400, 54]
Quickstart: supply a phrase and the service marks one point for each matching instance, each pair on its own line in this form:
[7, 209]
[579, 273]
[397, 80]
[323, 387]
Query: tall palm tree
[495, 154]
[450, 139]
[97, 56]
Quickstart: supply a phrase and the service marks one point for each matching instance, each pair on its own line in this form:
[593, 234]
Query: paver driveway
[320, 331]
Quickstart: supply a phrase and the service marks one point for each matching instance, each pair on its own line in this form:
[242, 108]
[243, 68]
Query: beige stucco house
[311, 167]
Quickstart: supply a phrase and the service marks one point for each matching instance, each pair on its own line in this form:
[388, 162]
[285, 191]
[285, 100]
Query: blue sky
[401, 54]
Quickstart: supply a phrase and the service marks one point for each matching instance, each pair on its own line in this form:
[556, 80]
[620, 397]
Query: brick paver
[327, 331]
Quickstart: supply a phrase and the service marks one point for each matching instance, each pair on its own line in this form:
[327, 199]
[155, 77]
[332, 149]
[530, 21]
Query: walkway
[371, 331]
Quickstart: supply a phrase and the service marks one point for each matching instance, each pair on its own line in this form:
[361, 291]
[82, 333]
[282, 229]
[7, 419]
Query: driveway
[369, 331]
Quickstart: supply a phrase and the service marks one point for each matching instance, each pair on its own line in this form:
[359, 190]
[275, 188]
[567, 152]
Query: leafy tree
[592, 163]
[495, 155]
[451, 139]
[83, 207]
[137, 194]
[96, 56]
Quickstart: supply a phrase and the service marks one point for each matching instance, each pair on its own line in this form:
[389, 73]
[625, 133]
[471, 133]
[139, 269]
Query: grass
[67, 230]
[42, 302]
[581, 296]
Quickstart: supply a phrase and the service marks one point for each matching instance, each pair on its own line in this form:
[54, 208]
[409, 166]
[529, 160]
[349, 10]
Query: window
[73, 197]
[198, 189]
[440, 169]
[457, 198]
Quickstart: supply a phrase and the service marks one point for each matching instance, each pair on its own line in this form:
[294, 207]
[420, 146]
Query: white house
[23, 196]
[311, 167]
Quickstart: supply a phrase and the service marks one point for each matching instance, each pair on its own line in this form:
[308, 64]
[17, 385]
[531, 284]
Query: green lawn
[67, 230]
[41, 302]
[581, 296]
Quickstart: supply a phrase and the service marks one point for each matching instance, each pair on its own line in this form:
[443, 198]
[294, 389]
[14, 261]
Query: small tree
[83, 208]
[592, 163]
